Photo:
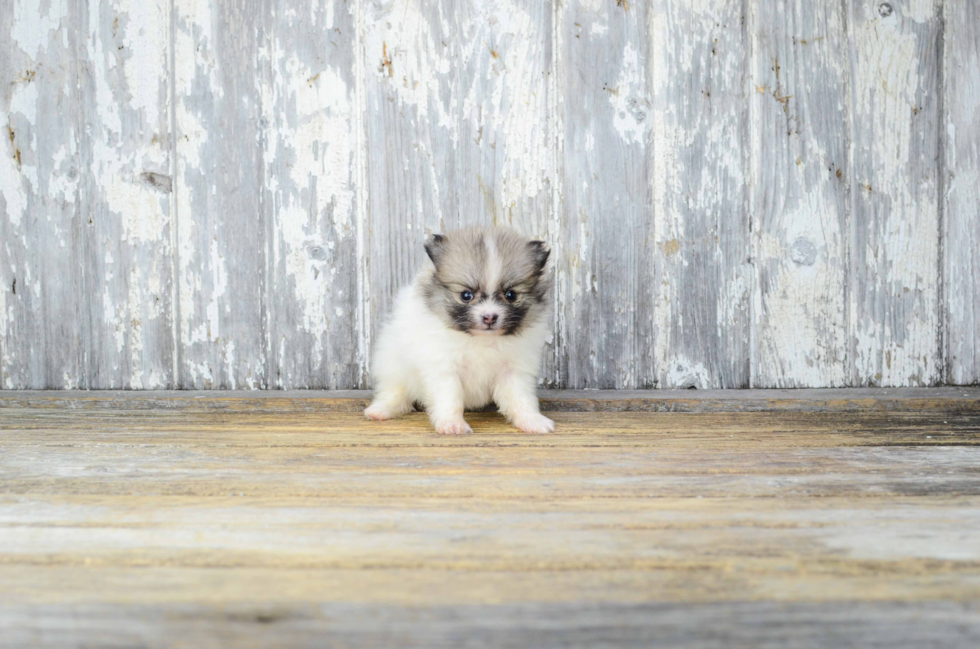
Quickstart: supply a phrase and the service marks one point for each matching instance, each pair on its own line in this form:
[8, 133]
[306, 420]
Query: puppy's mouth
[486, 330]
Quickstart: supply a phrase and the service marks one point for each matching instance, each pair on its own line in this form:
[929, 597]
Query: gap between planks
[945, 399]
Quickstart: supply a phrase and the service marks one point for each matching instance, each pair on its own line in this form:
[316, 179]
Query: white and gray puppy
[469, 330]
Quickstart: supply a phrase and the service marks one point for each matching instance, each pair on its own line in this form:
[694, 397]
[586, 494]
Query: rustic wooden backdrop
[227, 193]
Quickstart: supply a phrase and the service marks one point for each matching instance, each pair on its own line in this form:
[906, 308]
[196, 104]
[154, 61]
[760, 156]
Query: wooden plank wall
[961, 174]
[211, 194]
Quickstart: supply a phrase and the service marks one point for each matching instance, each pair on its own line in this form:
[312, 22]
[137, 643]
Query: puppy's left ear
[434, 247]
[539, 252]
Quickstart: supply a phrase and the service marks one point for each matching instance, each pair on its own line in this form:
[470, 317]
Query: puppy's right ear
[434, 247]
[540, 252]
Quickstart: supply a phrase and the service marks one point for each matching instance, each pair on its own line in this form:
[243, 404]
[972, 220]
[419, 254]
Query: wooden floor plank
[174, 519]
[805, 400]
[765, 625]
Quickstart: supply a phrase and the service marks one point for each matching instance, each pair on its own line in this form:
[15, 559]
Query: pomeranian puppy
[469, 330]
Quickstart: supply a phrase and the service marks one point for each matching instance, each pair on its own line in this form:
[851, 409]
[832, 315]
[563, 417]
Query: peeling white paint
[698, 180]
[194, 29]
[896, 203]
[962, 214]
[32, 26]
[23, 108]
[219, 282]
[147, 40]
[12, 187]
[799, 178]
[23, 101]
[310, 154]
[504, 104]
[476, 107]
[920, 10]
[69, 381]
[683, 373]
[127, 45]
[413, 73]
[628, 98]
[230, 367]
[6, 359]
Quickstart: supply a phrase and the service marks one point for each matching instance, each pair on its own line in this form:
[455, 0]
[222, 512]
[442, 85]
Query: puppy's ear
[434, 247]
[539, 252]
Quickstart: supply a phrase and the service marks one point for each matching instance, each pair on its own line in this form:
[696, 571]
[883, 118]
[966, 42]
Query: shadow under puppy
[469, 330]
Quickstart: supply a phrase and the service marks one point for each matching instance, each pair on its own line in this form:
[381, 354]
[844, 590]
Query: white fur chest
[479, 364]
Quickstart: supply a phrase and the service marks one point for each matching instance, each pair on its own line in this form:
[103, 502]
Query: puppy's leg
[515, 396]
[389, 401]
[444, 403]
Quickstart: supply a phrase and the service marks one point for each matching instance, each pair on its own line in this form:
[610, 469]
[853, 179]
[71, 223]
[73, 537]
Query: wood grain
[504, 67]
[894, 289]
[800, 189]
[44, 317]
[88, 126]
[225, 524]
[200, 194]
[703, 281]
[310, 116]
[714, 625]
[604, 261]
[961, 242]
[221, 218]
[127, 194]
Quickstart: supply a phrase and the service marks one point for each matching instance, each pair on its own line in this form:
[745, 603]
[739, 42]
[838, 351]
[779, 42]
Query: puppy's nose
[489, 319]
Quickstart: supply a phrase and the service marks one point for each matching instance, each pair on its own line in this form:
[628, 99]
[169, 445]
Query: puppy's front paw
[536, 423]
[453, 427]
[378, 412]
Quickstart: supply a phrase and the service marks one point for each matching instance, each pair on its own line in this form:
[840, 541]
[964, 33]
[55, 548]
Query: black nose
[489, 319]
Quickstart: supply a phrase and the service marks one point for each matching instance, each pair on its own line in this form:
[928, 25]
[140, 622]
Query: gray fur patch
[487, 262]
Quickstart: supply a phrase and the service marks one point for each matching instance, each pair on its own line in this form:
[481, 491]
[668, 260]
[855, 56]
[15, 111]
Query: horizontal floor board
[715, 625]
[806, 400]
[252, 520]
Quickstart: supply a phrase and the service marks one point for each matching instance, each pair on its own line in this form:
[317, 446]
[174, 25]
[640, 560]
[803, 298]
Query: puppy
[469, 330]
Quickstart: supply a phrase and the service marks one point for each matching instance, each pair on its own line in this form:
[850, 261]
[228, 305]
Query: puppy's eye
[466, 296]
[510, 296]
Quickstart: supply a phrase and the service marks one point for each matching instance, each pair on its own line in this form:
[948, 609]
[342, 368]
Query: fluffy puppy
[469, 330]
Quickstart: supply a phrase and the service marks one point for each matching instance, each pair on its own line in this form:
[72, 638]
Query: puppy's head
[487, 281]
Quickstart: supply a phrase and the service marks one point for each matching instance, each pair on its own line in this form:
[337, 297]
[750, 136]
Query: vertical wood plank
[703, 279]
[506, 162]
[895, 49]
[308, 108]
[412, 134]
[221, 219]
[605, 266]
[126, 192]
[799, 180]
[506, 156]
[962, 216]
[44, 328]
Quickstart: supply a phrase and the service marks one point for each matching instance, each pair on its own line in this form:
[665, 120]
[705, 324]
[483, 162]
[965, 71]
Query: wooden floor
[757, 519]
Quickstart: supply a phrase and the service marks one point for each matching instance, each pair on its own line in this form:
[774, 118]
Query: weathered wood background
[226, 193]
